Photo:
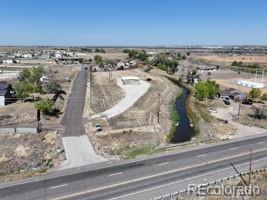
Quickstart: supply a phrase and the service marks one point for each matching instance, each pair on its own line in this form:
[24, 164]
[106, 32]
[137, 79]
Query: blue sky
[138, 22]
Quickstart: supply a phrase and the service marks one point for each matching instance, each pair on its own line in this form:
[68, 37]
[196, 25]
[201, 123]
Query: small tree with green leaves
[25, 75]
[46, 106]
[255, 93]
[98, 59]
[201, 91]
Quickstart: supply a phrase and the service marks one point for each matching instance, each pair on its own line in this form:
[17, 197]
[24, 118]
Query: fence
[176, 195]
[31, 129]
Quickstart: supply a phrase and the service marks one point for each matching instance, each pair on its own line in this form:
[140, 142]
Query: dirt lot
[247, 113]
[17, 113]
[27, 155]
[136, 129]
[105, 56]
[228, 59]
[227, 79]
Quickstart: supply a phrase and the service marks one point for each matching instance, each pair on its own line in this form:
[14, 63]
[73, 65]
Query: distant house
[58, 55]
[130, 80]
[27, 55]
[5, 93]
[233, 93]
[9, 61]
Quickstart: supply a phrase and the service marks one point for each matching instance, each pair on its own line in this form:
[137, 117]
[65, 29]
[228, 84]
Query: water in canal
[184, 132]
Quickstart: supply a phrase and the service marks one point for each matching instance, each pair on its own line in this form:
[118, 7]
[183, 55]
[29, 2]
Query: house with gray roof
[5, 93]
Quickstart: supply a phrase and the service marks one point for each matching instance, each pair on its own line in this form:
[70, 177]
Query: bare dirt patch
[228, 59]
[135, 131]
[27, 155]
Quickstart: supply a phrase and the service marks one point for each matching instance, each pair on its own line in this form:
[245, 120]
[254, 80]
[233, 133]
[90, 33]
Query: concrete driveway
[132, 94]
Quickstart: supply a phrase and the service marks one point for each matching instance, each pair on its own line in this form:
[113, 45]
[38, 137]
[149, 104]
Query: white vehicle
[212, 111]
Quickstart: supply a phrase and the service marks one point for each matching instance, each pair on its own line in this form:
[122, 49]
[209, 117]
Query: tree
[46, 106]
[213, 89]
[25, 75]
[255, 93]
[264, 97]
[31, 76]
[36, 74]
[201, 91]
[208, 89]
[98, 59]
[22, 89]
[52, 86]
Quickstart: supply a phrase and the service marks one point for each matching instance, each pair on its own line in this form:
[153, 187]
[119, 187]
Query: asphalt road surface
[144, 178]
[73, 117]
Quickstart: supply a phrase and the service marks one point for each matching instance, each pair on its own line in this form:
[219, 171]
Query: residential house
[5, 93]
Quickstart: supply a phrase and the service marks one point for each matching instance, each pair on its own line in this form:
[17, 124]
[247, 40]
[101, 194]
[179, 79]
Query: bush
[52, 86]
[264, 97]
[46, 106]
[255, 94]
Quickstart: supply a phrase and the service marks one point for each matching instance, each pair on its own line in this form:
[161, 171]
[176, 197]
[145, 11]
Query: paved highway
[142, 178]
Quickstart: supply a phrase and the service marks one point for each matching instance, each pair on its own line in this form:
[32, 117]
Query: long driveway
[78, 148]
[73, 117]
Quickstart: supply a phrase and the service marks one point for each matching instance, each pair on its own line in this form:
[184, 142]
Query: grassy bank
[192, 116]
[129, 152]
[189, 111]
[175, 117]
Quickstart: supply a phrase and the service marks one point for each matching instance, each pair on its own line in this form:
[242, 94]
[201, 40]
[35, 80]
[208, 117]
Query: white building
[27, 55]
[58, 55]
[250, 84]
[130, 80]
[10, 61]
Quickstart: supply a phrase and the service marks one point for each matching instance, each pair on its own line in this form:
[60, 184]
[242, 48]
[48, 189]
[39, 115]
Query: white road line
[175, 182]
[165, 163]
[115, 174]
[59, 186]
[202, 155]
[234, 148]
[260, 142]
[151, 176]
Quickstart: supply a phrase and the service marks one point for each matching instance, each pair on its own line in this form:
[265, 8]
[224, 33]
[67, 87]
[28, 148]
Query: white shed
[130, 80]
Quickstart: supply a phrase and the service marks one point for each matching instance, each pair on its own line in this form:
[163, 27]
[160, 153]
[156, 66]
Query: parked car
[212, 111]
[226, 98]
[98, 127]
[247, 101]
[226, 102]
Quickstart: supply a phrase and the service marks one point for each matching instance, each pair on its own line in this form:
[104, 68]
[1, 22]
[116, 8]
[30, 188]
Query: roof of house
[4, 86]
[3, 92]
[130, 78]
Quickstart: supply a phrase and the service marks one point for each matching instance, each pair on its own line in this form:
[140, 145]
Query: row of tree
[141, 55]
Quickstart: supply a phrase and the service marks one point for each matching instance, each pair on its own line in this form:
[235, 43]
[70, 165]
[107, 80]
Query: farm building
[130, 80]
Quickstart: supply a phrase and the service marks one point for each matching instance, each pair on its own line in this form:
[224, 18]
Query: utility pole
[250, 167]
[158, 112]
[110, 75]
[239, 108]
